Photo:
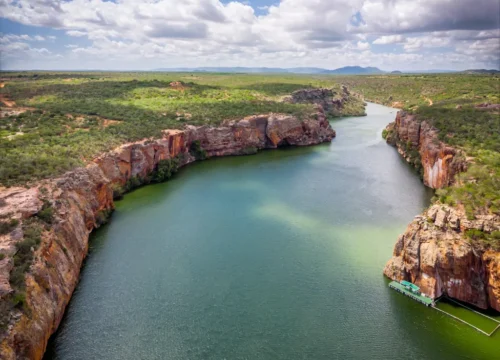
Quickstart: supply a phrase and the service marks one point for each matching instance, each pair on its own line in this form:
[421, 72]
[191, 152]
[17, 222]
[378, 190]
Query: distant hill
[227, 69]
[354, 70]
[348, 70]
[481, 71]
[396, 72]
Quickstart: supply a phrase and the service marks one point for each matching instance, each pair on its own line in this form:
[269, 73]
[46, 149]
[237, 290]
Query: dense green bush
[165, 169]
[46, 214]
[196, 150]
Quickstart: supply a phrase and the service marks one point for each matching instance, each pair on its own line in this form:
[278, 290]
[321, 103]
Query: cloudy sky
[148, 34]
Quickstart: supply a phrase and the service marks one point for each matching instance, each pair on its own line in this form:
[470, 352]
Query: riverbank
[54, 218]
[271, 256]
[445, 250]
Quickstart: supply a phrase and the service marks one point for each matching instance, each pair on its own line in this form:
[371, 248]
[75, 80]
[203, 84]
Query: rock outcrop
[435, 252]
[81, 197]
[418, 142]
[333, 102]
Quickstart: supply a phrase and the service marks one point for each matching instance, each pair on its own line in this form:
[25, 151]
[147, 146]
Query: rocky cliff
[418, 142]
[334, 102]
[436, 251]
[79, 201]
[435, 254]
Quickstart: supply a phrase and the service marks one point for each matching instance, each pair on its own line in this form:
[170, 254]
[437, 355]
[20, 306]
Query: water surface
[272, 256]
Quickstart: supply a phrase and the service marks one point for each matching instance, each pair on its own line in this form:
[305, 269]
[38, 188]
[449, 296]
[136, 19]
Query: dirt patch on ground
[181, 116]
[7, 102]
[109, 122]
[178, 85]
[397, 105]
[6, 112]
[10, 137]
[79, 119]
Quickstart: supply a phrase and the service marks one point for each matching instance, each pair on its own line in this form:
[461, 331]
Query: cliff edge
[45, 228]
[437, 251]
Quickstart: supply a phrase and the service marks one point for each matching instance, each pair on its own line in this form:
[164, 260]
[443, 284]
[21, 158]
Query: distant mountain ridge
[347, 70]
[354, 70]
[481, 71]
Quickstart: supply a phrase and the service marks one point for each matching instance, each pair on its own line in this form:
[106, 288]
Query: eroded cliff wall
[418, 142]
[80, 197]
[435, 252]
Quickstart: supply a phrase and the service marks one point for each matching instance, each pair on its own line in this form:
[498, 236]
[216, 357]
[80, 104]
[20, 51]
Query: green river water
[273, 256]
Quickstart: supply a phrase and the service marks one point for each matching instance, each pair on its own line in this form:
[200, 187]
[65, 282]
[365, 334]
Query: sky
[148, 34]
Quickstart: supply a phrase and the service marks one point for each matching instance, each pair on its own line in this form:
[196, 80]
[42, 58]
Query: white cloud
[76, 33]
[289, 33]
[13, 37]
[417, 43]
[389, 39]
[397, 16]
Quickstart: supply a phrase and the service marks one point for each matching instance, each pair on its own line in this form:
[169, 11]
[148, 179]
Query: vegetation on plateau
[73, 117]
[450, 103]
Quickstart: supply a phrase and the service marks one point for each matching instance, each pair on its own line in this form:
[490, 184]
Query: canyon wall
[82, 197]
[418, 143]
[435, 252]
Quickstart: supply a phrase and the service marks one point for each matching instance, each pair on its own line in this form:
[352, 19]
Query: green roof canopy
[410, 285]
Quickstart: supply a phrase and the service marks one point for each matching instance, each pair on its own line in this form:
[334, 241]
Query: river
[278, 255]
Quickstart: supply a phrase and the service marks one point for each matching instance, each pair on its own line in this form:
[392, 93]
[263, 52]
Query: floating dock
[413, 291]
[415, 295]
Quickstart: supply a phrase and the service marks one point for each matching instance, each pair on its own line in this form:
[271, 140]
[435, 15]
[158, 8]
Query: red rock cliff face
[434, 252]
[439, 162]
[80, 196]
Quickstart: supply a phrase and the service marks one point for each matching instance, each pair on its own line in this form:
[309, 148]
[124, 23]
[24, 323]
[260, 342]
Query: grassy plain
[75, 116]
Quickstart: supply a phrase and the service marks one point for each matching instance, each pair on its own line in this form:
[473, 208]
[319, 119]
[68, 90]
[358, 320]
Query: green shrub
[118, 191]
[165, 169]
[133, 182]
[7, 226]
[23, 256]
[196, 150]
[475, 234]
[46, 214]
[19, 300]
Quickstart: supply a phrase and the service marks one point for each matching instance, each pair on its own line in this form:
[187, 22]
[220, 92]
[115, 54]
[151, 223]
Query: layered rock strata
[418, 142]
[80, 197]
[435, 252]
